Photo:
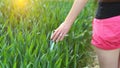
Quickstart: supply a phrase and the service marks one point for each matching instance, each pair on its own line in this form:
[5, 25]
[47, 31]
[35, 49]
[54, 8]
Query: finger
[60, 35]
[51, 35]
[54, 33]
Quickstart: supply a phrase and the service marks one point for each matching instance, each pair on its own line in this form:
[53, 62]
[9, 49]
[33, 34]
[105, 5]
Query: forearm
[75, 10]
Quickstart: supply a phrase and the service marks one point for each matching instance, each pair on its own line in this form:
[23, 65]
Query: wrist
[68, 22]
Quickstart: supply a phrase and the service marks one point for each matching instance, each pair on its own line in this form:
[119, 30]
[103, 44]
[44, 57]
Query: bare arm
[63, 29]
[75, 10]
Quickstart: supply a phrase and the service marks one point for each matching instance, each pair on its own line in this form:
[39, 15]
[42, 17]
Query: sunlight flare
[21, 3]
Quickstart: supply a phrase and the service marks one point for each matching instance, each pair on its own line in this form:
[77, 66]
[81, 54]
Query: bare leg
[119, 62]
[107, 58]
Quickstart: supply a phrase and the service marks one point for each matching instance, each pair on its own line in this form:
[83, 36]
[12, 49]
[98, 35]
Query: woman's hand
[60, 32]
[63, 29]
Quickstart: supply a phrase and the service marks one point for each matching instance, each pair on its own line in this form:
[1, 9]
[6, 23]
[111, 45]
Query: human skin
[106, 58]
[65, 26]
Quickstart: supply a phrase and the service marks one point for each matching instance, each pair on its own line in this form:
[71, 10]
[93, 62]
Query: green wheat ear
[52, 43]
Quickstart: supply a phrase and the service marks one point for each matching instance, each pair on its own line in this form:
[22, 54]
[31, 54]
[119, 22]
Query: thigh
[119, 62]
[107, 58]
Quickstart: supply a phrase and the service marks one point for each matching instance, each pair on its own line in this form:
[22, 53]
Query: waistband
[107, 10]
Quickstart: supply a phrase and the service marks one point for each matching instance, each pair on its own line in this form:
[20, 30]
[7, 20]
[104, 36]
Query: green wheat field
[25, 30]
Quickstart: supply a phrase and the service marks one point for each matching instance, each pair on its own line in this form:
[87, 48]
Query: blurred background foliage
[26, 27]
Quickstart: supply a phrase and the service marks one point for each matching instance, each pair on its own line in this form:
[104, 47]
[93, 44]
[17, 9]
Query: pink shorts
[106, 33]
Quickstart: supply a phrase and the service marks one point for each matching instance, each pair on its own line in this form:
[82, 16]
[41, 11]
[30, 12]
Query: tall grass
[25, 35]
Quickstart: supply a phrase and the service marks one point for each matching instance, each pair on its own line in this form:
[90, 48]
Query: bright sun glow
[21, 3]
